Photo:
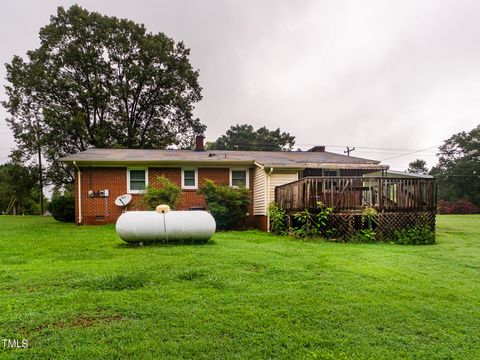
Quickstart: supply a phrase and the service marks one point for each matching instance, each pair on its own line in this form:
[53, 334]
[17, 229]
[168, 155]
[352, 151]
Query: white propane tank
[174, 226]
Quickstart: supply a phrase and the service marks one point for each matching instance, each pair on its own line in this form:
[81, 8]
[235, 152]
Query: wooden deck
[351, 194]
[400, 202]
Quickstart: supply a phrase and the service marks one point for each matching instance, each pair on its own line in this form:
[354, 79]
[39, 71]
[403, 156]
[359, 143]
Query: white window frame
[247, 174]
[130, 191]
[189, 187]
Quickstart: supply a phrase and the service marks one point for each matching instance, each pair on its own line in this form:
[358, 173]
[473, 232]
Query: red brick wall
[190, 198]
[104, 210]
[113, 179]
[261, 222]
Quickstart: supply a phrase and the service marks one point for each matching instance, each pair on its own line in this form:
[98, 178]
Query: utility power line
[364, 147]
[413, 152]
[247, 142]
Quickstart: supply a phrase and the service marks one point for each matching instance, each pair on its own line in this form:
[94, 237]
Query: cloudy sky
[388, 77]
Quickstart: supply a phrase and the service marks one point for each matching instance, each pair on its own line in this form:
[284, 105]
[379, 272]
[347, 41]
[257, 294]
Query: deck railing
[355, 193]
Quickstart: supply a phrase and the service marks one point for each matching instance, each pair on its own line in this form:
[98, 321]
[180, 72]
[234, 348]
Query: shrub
[368, 213]
[310, 224]
[417, 235]
[163, 192]
[461, 206]
[62, 208]
[303, 224]
[321, 220]
[278, 219]
[365, 236]
[228, 205]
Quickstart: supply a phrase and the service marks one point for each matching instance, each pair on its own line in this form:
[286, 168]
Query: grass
[80, 292]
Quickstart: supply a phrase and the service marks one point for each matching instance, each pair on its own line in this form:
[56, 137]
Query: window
[239, 177]
[189, 178]
[137, 180]
[327, 172]
[330, 185]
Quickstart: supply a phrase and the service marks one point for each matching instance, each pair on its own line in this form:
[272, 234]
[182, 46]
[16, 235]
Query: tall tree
[244, 137]
[458, 169]
[99, 81]
[418, 166]
[17, 188]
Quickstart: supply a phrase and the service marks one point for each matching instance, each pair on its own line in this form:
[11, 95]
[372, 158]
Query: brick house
[104, 174]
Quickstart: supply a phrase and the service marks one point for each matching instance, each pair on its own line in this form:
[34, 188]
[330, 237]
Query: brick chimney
[317, 149]
[199, 143]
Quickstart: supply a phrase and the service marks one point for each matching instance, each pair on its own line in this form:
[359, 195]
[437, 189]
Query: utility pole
[40, 177]
[348, 151]
[40, 172]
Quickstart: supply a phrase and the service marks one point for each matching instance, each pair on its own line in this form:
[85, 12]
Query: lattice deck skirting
[383, 223]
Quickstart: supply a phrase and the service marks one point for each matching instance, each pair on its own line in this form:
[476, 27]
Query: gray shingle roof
[280, 159]
[400, 174]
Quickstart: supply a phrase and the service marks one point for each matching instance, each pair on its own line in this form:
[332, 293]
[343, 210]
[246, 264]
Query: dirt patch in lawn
[80, 321]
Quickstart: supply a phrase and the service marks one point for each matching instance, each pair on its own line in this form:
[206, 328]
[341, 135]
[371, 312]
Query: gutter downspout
[267, 192]
[268, 198]
[79, 177]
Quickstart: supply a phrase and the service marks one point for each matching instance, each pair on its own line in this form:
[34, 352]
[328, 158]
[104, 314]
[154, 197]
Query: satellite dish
[123, 200]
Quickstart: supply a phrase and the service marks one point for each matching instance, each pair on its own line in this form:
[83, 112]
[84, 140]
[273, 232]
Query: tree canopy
[244, 137]
[418, 166]
[458, 169]
[99, 81]
[18, 193]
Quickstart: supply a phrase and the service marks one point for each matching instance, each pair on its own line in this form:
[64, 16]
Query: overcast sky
[388, 77]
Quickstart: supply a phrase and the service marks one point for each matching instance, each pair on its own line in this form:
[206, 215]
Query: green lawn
[80, 292]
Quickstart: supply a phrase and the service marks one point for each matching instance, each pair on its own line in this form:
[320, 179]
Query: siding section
[280, 177]
[259, 192]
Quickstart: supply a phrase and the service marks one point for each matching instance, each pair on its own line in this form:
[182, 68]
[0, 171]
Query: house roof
[400, 174]
[275, 159]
